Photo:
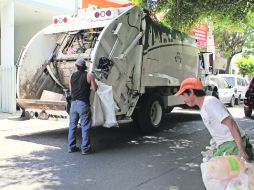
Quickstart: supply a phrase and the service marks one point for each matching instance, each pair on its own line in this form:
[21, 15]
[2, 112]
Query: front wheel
[232, 102]
[151, 113]
[237, 100]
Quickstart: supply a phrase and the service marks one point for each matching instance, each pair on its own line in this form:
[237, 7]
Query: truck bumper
[41, 104]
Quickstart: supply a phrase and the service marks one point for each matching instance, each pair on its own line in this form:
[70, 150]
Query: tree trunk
[228, 64]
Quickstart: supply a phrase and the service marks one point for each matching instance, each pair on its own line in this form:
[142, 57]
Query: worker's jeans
[79, 110]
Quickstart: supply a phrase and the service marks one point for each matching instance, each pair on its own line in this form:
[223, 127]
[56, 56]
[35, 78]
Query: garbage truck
[126, 48]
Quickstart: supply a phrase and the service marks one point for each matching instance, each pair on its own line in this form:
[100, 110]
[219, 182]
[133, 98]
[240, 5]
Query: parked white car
[239, 85]
[224, 91]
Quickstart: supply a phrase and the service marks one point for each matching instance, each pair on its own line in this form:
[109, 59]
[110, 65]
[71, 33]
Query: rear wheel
[247, 111]
[150, 113]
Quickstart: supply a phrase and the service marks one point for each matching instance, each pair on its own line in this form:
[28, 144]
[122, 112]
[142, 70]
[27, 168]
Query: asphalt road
[33, 155]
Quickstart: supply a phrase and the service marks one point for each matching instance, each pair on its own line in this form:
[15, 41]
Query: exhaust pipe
[36, 114]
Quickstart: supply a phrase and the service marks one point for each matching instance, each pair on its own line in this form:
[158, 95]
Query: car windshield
[230, 80]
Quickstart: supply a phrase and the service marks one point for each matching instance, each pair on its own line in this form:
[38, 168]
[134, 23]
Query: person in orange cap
[229, 137]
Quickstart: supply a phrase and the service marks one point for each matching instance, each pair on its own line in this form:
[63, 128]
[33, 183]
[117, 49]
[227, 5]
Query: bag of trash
[97, 113]
[107, 103]
[225, 167]
[240, 182]
[228, 172]
[211, 183]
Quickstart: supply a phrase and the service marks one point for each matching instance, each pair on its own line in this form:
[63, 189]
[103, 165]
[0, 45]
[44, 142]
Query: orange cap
[190, 83]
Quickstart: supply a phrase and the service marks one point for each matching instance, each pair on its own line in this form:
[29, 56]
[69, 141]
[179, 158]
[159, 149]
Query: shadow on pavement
[123, 158]
[106, 137]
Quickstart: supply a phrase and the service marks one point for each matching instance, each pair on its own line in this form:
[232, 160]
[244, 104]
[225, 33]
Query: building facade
[20, 20]
[105, 3]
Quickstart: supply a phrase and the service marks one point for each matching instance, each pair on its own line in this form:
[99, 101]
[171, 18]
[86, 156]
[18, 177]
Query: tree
[183, 14]
[246, 66]
[234, 39]
[232, 20]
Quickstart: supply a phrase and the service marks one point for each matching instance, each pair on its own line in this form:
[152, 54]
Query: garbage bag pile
[227, 172]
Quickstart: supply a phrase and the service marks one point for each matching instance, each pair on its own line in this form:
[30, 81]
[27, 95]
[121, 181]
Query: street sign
[200, 32]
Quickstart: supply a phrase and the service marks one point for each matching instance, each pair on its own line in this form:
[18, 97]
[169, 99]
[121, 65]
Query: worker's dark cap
[81, 62]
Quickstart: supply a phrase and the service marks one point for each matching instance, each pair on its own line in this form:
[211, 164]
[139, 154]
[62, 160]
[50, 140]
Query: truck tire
[232, 102]
[247, 111]
[150, 114]
[168, 110]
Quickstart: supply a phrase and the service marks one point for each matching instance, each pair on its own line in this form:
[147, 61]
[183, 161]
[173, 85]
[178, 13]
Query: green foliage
[249, 44]
[232, 21]
[183, 14]
[234, 39]
[246, 66]
[139, 3]
[231, 43]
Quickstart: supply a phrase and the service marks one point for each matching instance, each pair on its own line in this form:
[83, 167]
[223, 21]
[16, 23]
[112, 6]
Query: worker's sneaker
[86, 151]
[74, 149]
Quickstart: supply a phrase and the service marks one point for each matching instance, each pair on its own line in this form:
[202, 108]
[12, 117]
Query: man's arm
[233, 127]
[90, 80]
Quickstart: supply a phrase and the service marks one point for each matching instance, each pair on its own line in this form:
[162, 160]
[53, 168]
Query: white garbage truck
[126, 48]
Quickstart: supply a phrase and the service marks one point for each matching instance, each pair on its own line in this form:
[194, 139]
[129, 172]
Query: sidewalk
[9, 123]
[7, 115]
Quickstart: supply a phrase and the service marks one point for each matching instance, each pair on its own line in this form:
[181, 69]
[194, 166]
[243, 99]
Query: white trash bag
[241, 183]
[107, 104]
[210, 183]
[97, 113]
[228, 172]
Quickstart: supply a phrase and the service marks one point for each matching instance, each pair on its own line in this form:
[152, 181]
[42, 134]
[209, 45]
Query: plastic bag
[210, 183]
[250, 173]
[239, 183]
[97, 113]
[228, 172]
[225, 167]
[107, 103]
[208, 154]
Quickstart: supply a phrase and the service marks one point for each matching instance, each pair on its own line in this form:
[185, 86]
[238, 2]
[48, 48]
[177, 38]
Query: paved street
[33, 155]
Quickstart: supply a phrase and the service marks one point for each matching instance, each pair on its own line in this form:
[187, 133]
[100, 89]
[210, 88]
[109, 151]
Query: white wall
[27, 27]
[220, 62]
[64, 5]
[7, 68]
[233, 65]
[23, 33]
[14, 37]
